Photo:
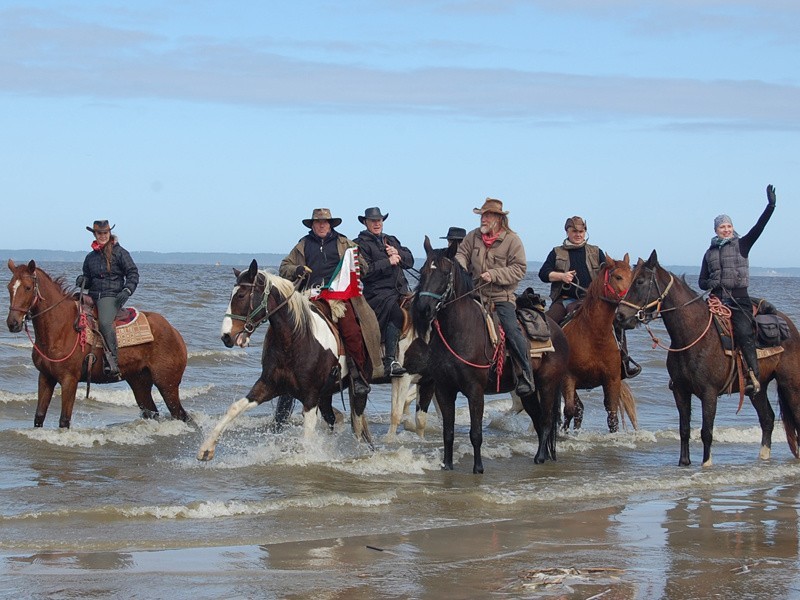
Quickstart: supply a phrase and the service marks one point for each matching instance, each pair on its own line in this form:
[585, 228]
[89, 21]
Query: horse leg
[790, 413]
[358, 420]
[766, 419]
[683, 402]
[570, 411]
[206, 451]
[476, 430]
[283, 410]
[447, 406]
[47, 386]
[171, 395]
[310, 421]
[611, 391]
[142, 387]
[325, 408]
[69, 388]
[709, 405]
[425, 391]
[400, 391]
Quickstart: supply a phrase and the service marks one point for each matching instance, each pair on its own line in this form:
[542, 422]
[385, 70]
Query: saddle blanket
[132, 327]
[761, 352]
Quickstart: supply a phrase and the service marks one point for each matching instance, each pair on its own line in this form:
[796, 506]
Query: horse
[61, 358]
[594, 355]
[697, 363]
[300, 358]
[460, 357]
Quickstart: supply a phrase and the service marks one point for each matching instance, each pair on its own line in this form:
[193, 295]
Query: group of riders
[492, 254]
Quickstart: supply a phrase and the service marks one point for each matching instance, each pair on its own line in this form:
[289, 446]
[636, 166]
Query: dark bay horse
[697, 363]
[460, 357]
[300, 357]
[60, 359]
[594, 356]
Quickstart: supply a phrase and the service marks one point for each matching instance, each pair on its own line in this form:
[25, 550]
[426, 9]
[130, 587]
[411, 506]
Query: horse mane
[462, 280]
[59, 282]
[297, 304]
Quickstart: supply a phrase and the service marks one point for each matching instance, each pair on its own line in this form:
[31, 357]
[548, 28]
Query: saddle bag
[772, 329]
[534, 324]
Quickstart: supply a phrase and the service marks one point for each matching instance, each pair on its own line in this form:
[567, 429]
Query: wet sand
[740, 544]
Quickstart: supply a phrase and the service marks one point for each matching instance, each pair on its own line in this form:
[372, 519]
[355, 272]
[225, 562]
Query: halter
[609, 290]
[250, 322]
[37, 295]
[643, 312]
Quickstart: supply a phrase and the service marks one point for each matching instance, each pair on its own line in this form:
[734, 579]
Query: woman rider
[726, 272]
[111, 277]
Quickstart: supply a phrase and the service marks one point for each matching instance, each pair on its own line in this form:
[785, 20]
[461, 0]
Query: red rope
[43, 355]
[453, 352]
[500, 356]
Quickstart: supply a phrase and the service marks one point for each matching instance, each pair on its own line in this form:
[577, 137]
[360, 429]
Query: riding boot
[630, 368]
[748, 350]
[524, 384]
[392, 368]
[360, 386]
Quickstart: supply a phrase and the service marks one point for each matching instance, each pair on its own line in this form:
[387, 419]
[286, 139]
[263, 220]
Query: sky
[199, 126]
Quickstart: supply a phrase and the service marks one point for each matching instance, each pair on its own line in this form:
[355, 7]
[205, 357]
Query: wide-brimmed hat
[575, 223]
[100, 227]
[491, 205]
[455, 233]
[373, 213]
[322, 214]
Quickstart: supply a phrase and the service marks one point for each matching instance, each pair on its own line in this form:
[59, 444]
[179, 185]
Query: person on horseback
[569, 269]
[726, 272]
[384, 282]
[110, 276]
[495, 258]
[316, 256]
[454, 236]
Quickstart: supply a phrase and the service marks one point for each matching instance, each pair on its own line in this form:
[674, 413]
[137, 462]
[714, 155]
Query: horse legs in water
[283, 410]
[47, 386]
[424, 396]
[206, 451]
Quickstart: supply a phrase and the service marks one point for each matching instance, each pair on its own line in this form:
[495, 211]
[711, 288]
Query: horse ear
[253, 270]
[653, 260]
[626, 259]
[32, 266]
[11, 265]
[236, 272]
[427, 245]
[610, 262]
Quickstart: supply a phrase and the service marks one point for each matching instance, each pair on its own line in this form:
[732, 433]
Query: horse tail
[628, 402]
[789, 418]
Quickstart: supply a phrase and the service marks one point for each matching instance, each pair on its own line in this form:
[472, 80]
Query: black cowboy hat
[455, 233]
[322, 214]
[100, 226]
[373, 213]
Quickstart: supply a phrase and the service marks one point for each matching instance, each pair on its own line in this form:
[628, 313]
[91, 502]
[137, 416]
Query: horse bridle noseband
[250, 322]
[443, 298]
[644, 313]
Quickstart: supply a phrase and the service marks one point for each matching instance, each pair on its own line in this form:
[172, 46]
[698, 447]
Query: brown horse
[697, 363]
[594, 356]
[61, 359]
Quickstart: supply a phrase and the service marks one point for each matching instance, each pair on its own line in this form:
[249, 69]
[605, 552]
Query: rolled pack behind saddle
[131, 324]
[531, 317]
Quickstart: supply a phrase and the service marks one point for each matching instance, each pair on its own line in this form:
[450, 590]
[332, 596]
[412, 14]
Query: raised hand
[771, 195]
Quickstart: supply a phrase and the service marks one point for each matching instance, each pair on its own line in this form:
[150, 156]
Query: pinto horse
[60, 358]
[594, 355]
[300, 358]
[697, 363]
[460, 357]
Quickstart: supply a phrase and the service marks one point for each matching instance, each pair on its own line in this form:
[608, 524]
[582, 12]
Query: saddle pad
[132, 333]
[539, 348]
[762, 352]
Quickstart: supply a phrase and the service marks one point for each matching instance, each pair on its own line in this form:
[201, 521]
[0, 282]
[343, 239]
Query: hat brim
[364, 219]
[93, 230]
[480, 211]
[335, 222]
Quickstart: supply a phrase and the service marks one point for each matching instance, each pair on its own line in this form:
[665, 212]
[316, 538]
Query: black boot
[525, 385]
[110, 368]
[753, 385]
[630, 368]
[392, 368]
[360, 386]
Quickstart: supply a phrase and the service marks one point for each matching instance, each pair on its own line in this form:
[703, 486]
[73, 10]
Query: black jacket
[384, 283]
[101, 282]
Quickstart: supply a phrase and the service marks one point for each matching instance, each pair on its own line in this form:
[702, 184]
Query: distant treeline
[273, 260]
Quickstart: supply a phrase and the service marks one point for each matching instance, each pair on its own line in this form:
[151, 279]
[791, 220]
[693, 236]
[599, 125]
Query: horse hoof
[477, 470]
[205, 455]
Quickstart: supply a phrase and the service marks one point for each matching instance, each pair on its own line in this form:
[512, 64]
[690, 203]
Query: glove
[122, 297]
[771, 195]
[80, 281]
[301, 271]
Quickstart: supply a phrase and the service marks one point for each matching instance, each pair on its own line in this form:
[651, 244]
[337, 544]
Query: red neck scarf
[97, 246]
[489, 239]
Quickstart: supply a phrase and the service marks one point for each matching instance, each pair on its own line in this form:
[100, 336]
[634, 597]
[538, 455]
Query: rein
[250, 324]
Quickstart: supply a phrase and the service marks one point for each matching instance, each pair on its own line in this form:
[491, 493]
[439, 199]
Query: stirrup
[525, 387]
[753, 385]
[396, 369]
[631, 367]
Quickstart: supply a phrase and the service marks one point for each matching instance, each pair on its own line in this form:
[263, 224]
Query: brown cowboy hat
[491, 205]
[455, 233]
[575, 223]
[373, 213]
[100, 226]
[322, 214]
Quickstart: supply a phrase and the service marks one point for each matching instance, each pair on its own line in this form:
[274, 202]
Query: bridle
[609, 293]
[250, 320]
[644, 312]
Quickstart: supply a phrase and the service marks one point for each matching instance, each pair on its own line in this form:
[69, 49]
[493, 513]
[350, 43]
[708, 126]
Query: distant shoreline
[270, 259]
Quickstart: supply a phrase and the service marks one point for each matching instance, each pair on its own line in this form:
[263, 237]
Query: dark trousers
[106, 312]
[515, 342]
[561, 308]
[744, 334]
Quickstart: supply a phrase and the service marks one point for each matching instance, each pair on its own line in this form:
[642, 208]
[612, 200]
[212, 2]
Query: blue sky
[219, 126]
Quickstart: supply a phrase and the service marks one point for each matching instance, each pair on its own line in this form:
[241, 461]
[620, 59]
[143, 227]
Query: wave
[141, 432]
[217, 356]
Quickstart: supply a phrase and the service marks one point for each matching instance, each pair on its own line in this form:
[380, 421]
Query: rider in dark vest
[569, 269]
[726, 272]
[110, 277]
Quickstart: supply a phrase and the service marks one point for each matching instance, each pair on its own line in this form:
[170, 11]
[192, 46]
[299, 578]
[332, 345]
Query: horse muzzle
[241, 339]
[14, 324]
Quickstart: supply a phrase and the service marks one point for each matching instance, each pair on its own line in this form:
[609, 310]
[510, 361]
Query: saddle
[531, 320]
[131, 324]
[771, 330]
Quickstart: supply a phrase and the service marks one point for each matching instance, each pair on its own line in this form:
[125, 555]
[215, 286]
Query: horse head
[650, 284]
[435, 286]
[23, 293]
[247, 307]
[616, 279]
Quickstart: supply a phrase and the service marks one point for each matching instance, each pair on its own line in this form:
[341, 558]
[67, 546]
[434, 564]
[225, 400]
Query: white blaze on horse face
[14, 289]
[227, 322]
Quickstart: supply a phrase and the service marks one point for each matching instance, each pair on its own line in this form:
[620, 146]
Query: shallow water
[85, 512]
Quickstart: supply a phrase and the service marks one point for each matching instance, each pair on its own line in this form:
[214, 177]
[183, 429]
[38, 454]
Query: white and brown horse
[301, 353]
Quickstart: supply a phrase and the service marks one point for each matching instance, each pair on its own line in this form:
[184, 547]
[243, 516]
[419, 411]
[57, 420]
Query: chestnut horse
[60, 358]
[300, 358]
[594, 355]
[697, 363]
[460, 357]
